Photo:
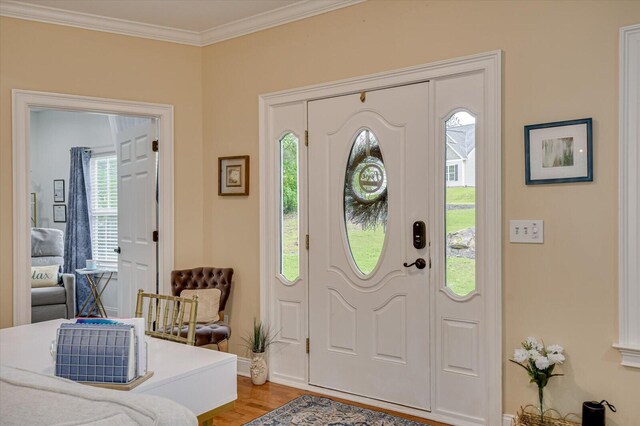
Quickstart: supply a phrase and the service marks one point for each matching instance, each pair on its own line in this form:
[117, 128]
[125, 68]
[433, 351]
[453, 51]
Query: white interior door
[136, 214]
[368, 313]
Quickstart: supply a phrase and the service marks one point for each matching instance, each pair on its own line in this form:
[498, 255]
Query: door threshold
[376, 403]
[370, 398]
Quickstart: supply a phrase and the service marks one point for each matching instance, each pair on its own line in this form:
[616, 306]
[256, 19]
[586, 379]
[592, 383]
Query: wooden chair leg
[223, 346]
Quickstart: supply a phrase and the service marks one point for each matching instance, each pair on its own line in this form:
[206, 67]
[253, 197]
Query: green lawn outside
[290, 264]
[461, 275]
[460, 219]
[366, 244]
[461, 195]
[460, 272]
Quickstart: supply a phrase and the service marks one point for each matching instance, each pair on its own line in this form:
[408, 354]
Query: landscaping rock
[462, 243]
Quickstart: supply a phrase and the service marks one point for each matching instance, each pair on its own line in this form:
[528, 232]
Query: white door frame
[629, 198]
[490, 64]
[23, 102]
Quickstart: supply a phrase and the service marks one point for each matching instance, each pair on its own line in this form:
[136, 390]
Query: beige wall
[560, 62]
[54, 58]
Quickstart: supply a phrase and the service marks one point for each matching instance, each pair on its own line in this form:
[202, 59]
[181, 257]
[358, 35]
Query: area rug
[309, 410]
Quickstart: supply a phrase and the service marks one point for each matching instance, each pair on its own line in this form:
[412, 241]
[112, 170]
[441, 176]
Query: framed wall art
[59, 213]
[233, 175]
[559, 152]
[34, 209]
[58, 191]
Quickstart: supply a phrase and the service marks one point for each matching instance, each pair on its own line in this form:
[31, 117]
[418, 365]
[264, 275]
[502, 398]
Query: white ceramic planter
[258, 368]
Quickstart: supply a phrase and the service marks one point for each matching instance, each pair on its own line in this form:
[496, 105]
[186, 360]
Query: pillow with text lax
[44, 276]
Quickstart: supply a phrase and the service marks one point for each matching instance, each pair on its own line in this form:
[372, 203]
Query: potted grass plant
[257, 342]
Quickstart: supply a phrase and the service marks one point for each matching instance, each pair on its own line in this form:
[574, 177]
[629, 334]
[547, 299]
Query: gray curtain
[77, 238]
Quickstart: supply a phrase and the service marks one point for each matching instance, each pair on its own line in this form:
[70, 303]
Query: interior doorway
[82, 192]
[158, 186]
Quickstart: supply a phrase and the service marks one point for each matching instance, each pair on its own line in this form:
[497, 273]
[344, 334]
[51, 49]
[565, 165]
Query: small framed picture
[58, 191]
[559, 152]
[60, 213]
[34, 210]
[233, 175]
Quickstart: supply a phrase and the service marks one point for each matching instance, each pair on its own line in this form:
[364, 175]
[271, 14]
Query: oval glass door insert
[365, 201]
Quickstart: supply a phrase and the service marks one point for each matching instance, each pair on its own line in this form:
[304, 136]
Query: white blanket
[35, 399]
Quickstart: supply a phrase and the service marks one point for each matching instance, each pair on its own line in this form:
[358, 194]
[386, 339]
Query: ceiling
[196, 22]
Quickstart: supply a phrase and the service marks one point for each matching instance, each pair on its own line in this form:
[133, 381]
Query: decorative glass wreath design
[365, 192]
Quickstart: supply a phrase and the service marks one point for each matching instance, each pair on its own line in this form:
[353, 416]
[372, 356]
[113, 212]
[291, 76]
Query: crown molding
[273, 18]
[88, 21]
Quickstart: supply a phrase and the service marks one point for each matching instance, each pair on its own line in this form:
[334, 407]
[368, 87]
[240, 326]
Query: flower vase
[258, 368]
[540, 399]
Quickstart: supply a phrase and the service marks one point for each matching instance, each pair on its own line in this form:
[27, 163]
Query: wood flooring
[255, 401]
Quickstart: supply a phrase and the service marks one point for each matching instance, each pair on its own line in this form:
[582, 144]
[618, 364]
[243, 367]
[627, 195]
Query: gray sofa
[47, 303]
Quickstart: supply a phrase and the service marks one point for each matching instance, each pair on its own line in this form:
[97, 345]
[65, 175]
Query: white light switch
[526, 231]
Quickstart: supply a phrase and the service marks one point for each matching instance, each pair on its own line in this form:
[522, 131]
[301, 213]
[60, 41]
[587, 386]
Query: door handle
[420, 263]
[117, 250]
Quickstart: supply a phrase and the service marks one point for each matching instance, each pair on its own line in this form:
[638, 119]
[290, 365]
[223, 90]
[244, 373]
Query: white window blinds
[104, 209]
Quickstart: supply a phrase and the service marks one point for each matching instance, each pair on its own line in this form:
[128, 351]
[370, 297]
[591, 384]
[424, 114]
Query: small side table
[96, 291]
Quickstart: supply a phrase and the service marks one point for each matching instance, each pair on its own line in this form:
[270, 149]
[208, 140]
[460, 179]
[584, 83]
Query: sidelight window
[289, 208]
[460, 203]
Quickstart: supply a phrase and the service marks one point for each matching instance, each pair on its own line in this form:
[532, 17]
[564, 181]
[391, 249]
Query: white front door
[136, 214]
[368, 313]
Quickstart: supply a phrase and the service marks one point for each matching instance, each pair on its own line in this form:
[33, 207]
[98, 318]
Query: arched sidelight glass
[289, 208]
[365, 201]
[460, 203]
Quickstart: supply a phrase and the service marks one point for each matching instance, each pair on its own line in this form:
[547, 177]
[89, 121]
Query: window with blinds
[104, 209]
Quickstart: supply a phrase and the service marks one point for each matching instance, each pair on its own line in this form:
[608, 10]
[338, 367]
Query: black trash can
[593, 413]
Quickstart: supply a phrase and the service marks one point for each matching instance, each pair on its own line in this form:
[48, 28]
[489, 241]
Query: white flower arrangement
[539, 362]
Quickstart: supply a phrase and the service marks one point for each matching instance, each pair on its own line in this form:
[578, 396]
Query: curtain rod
[100, 147]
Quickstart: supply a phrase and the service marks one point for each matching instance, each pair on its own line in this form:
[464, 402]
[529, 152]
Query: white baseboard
[507, 419]
[243, 366]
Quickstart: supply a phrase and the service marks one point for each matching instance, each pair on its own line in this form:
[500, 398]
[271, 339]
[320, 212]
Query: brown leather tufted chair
[207, 335]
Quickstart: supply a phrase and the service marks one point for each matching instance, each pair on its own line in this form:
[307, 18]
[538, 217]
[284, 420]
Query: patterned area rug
[311, 410]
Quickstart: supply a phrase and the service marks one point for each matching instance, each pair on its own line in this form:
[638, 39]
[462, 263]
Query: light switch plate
[526, 231]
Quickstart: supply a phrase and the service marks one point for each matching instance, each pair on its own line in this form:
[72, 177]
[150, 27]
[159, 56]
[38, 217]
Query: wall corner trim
[629, 198]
